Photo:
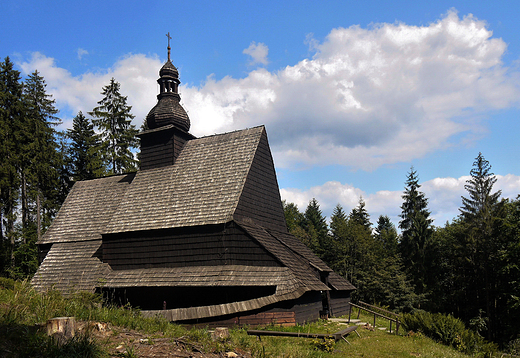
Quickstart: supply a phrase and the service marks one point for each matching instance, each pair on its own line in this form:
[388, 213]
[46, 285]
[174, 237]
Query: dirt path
[121, 342]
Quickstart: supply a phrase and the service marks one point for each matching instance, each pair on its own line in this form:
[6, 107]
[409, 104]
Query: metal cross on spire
[169, 48]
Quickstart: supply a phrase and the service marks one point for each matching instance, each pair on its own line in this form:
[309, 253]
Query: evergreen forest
[39, 164]
[468, 268]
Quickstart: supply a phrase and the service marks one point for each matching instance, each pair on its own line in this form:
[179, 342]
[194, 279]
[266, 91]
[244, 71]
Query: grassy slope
[370, 344]
[21, 306]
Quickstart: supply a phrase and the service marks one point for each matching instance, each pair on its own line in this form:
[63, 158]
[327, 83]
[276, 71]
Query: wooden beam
[336, 336]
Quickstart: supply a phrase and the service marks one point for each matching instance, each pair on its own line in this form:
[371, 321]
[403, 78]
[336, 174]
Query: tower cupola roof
[168, 109]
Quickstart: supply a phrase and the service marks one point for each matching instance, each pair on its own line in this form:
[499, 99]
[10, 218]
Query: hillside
[121, 332]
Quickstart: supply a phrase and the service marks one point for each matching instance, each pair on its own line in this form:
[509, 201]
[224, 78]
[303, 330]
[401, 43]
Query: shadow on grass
[22, 341]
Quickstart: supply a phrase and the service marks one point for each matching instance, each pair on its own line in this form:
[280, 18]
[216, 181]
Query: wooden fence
[382, 313]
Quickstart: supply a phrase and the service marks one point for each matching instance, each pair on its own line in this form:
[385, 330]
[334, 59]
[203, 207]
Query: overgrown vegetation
[22, 308]
[448, 330]
[468, 269]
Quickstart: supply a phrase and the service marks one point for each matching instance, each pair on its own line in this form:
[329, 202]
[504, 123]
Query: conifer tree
[417, 231]
[295, 224]
[315, 225]
[40, 157]
[484, 246]
[338, 223]
[360, 215]
[293, 217]
[478, 208]
[84, 149]
[341, 261]
[11, 113]
[387, 235]
[114, 120]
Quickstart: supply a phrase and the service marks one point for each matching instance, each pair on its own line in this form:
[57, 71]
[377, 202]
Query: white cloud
[136, 73]
[444, 197]
[258, 53]
[328, 195]
[368, 97]
[82, 52]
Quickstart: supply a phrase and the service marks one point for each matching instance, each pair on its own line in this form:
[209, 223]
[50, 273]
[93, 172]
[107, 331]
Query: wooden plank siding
[339, 303]
[260, 198]
[198, 246]
[162, 146]
[288, 313]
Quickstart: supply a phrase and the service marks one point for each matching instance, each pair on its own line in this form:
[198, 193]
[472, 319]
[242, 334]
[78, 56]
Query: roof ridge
[253, 152]
[232, 132]
[298, 252]
[250, 222]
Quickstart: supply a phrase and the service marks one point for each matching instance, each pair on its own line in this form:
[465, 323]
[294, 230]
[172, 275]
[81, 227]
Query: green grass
[370, 343]
[21, 308]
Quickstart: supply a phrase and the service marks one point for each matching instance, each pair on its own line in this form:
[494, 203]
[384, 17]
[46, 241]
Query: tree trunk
[38, 216]
[10, 226]
[61, 328]
[25, 209]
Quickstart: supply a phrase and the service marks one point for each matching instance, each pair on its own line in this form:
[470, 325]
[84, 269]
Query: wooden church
[197, 235]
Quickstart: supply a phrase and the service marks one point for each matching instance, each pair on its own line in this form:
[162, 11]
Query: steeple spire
[168, 109]
[169, 48]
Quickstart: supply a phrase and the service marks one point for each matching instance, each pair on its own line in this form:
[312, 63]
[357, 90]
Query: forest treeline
[39, 164]
[468, 268]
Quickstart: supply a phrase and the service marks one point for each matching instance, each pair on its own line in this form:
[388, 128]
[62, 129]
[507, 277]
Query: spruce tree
[417, 231]
[360, 215]
[478, 208]
[481, 213]
[315, 225]
[341, 261]
[40, 157]
[114, 119]
[293, 218]
[295, 224]
[387, 235]
[84, 149]
[11, 113]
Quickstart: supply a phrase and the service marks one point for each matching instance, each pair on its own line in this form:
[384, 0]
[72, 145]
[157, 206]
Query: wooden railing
[372, 310]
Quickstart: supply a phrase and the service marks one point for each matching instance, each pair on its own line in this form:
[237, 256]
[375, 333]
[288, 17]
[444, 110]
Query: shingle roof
[203, 276]
[298, 257]
[215, 180]
[71, 266]
[87, 209]
[300, 267]
[202, 187]
[287, 286]
[299, 248]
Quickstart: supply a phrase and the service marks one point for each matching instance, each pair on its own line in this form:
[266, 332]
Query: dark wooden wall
[154, 298]
[339, 303]
[307, 308]
[288, 313]
[260, 199]
[43, 250]
[161, 147]
[198, 246]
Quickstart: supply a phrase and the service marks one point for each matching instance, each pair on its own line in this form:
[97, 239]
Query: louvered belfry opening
[168, 123]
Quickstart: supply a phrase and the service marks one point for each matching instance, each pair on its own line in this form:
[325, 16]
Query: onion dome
[168, 110]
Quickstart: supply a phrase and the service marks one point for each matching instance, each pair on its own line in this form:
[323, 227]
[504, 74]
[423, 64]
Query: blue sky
[352, 93]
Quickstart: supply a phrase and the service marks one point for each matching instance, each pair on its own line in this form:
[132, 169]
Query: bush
[448, 330]
[6, 283]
